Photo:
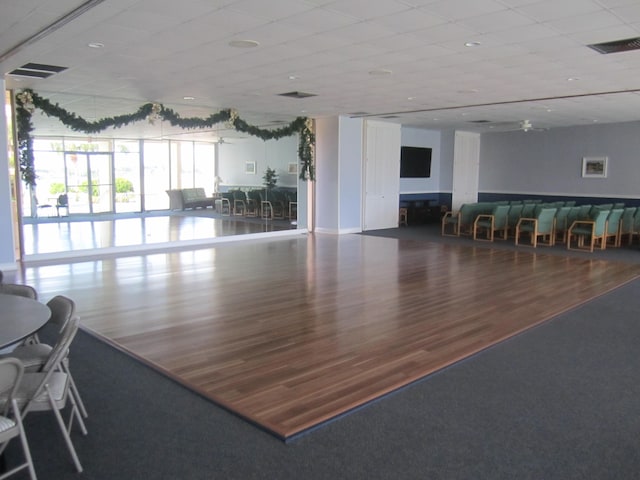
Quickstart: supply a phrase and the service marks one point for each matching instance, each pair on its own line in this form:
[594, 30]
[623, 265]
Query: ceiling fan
[527, 126]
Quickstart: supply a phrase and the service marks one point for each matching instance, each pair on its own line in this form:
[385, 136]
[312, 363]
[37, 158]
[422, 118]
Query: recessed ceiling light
[380, 71]
[95, 45]
[472, 44]
[572, 79]
[411, 98]
[243, 43]
[293, 77]
[188, 97]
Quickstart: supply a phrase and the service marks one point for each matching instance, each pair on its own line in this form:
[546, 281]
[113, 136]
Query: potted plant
[270, 178]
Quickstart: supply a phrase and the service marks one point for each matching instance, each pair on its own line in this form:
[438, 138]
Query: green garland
[27, 101]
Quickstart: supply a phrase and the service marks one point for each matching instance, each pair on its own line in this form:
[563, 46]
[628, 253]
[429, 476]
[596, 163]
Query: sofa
[181, 199]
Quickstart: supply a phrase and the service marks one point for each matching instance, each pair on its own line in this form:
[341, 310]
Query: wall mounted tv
[415, 162]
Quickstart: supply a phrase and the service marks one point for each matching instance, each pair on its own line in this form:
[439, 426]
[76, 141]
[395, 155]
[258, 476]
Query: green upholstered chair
[636, 226]
[452, 221]
[562, 223]
[626, 225]
[253, 203]
[540, 226]
[239, 202]
[496, 221]
[515, 212]
[584, 212]
[612, 233]
[592, 230]
[527, 209]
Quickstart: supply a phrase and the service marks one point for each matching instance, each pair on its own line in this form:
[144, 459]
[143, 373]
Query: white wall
[276, 154]
[415, 137]
[338, 203]
[350, 187]
[550, 162]
[327, 165]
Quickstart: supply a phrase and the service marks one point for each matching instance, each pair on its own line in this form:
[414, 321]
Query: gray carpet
[557, 402]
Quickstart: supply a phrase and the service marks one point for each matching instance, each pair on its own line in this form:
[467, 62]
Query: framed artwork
[594, 167]
[250, 168]
[293, 169]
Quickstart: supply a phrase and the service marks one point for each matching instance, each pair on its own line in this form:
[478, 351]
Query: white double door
[381, 175]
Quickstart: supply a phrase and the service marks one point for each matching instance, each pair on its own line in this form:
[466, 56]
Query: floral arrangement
[27, 101]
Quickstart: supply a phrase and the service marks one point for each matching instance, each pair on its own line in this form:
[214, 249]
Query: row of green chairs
[604, 227]
[580, 227]
[462, 221]
[274, 203]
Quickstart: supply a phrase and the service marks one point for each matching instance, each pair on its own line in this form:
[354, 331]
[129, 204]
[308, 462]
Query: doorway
[89, 182]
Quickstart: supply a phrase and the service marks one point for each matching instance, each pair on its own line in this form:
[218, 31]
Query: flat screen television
[415, 162]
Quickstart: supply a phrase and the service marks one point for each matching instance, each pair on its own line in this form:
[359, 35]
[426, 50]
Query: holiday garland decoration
[27, 101]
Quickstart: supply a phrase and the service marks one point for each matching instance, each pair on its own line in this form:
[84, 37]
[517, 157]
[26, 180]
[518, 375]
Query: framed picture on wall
[293, 169]
[250, 168]
[594, 167]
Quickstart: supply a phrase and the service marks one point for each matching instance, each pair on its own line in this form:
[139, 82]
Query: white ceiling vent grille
[617, 46]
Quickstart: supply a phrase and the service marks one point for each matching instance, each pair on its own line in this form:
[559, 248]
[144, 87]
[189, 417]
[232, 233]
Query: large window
[126, 159]
[102, 176]
[157, 178]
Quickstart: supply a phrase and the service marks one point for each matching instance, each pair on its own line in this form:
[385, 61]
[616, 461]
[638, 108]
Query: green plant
[124, 185]
[56, 188]
[270, 178]
[84, 188]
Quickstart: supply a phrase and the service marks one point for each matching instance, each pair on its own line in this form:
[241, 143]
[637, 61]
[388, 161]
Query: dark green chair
[626, 224]
[253, 203]
[562, 223]
[515, 212]
[239, 203]
[612, 234]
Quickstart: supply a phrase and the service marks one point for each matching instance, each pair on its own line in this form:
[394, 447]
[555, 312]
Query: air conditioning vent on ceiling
[297, 94]
[617, 46]
[36, 70]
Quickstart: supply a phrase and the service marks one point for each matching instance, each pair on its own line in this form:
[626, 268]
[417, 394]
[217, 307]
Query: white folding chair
[35, 355]
[11, 371]
[49, 389]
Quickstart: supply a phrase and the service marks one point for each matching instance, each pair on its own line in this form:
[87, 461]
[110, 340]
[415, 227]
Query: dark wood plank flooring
[292, 332]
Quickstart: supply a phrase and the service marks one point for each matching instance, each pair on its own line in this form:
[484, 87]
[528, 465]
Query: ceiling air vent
[391, 116]
[297, 94]
[36, 70]
[617, 45]
[479, 121]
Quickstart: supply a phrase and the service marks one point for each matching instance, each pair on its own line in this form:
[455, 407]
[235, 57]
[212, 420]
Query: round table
[20, 317]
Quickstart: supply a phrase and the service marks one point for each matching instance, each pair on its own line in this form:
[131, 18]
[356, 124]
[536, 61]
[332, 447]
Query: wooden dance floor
[289, 333]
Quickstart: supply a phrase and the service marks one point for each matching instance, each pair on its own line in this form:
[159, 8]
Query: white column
[7, 247]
